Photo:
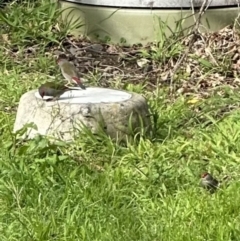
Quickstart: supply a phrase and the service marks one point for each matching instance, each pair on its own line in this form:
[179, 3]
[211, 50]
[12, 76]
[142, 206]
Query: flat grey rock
[96, 108]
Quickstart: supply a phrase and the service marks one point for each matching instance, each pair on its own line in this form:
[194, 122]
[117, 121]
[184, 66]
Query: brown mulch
[213, 61]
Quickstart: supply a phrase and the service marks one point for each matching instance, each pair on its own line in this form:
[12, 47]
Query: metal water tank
[134, 21]
[156, 3]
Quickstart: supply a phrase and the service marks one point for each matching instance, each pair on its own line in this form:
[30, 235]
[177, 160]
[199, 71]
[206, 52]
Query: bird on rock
[209, 182]
[52, 89]
[69, 72]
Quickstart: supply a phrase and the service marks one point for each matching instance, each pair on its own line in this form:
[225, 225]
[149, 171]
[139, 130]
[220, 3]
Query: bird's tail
[78, 81]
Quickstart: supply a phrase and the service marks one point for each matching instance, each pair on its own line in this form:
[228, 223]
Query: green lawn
[97, 189]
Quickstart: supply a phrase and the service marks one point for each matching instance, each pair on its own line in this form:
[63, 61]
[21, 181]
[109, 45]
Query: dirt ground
[213, 61]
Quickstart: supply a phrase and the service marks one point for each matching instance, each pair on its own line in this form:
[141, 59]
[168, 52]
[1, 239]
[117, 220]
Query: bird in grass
[69, 72]
[209, 182]
[55, 90]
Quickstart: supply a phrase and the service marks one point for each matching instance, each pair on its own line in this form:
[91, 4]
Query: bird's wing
[54, 85]
[70, 69]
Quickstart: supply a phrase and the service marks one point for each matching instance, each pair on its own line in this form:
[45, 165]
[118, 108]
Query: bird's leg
[69, 84]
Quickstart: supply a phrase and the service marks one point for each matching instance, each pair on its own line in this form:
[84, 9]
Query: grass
[96, 189]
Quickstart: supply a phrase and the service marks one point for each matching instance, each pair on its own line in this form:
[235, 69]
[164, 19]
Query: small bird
[52, 89]
[209, 182]
[69, 72]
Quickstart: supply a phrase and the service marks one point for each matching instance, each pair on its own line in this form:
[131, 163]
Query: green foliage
[92, 187]
[168, 42]
[95, 188]
[34, 23]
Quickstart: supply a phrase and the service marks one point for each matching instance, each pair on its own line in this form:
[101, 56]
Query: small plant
[168, 42]
[32, 23]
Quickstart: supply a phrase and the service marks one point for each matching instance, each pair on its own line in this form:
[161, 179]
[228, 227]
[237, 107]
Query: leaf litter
[211, 65]
[213, 61]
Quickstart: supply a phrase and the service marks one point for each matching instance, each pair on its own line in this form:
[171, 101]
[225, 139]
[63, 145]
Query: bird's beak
[42, 94]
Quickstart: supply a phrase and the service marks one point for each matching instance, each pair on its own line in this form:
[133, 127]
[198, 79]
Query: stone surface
[111, 110]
